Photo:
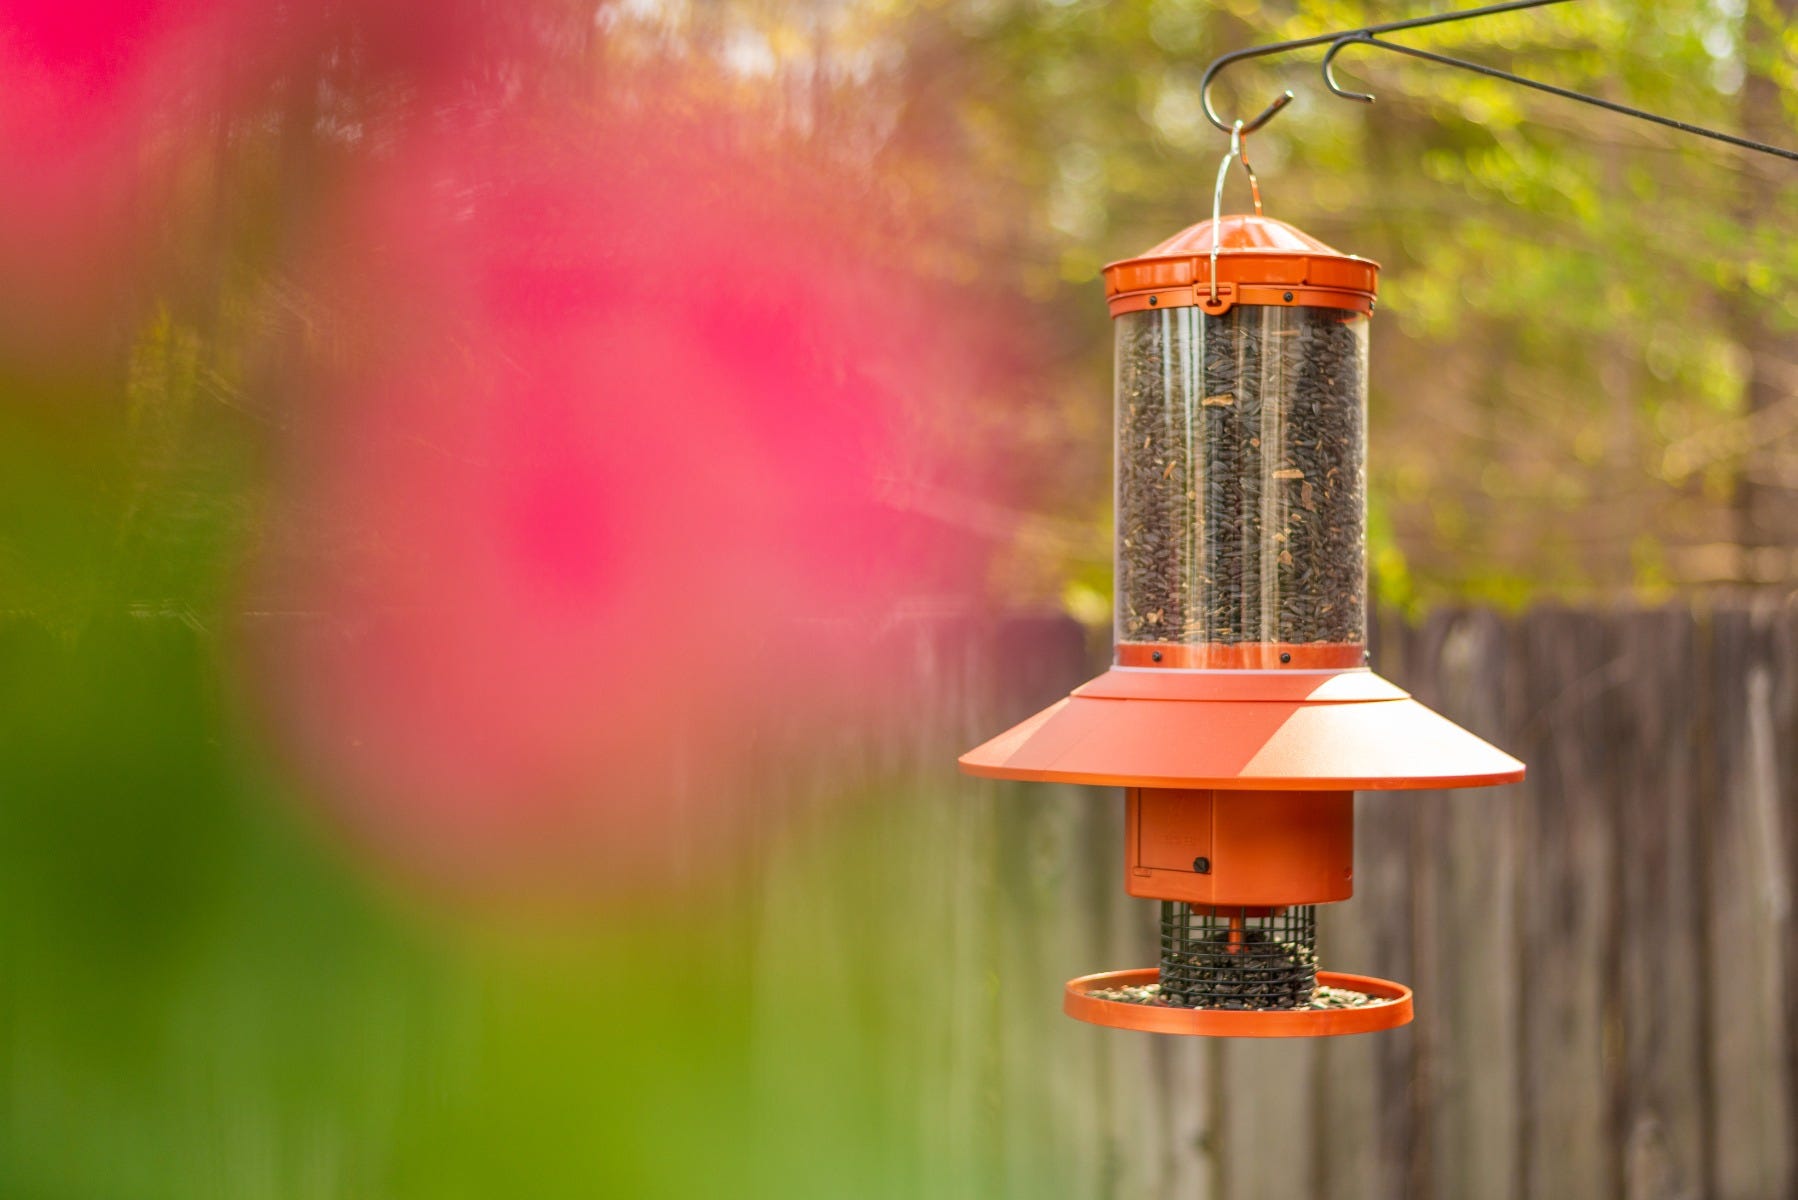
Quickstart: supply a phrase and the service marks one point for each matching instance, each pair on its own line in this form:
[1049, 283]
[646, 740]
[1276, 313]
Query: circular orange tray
[1393, 1009]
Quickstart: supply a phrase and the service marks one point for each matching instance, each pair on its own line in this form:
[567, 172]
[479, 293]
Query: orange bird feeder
[1239, 715]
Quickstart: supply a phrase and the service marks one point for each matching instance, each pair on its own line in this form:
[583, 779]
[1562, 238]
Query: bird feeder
[1239, 715]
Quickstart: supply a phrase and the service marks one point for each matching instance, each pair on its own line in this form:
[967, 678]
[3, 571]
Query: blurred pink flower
[105, 104]
[85, 89]
[593, 501]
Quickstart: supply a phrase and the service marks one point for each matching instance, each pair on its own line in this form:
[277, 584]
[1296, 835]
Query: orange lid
[1259, 261]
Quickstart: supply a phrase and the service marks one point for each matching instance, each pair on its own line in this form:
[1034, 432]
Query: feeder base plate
[1391, 1008]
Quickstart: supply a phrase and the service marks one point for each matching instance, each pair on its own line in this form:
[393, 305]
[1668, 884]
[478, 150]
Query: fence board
[1749, 898]
[1367, 1098]
[1365, 1083]
[1659, 1128]
[1567, 917]
[1266, 1122]
[1467, 969]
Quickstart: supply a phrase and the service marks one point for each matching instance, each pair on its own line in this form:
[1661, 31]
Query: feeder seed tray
[1388, 1006]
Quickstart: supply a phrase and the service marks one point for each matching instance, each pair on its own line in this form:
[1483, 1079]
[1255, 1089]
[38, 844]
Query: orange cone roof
[1263, 261]
[1246, 730]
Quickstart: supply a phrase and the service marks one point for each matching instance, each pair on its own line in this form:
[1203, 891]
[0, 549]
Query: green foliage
[207, 995]
[1563, 294]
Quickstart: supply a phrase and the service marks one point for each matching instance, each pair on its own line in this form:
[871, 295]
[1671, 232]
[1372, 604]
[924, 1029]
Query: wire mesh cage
[1238, 958]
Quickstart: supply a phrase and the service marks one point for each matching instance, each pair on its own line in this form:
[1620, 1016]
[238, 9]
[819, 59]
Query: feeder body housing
[1236, 848]
[1240, 715]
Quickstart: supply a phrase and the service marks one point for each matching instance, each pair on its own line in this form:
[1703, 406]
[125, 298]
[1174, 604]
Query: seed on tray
[1323, 997]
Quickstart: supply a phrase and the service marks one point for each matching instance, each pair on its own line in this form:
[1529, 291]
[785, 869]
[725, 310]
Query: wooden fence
[1603, 956]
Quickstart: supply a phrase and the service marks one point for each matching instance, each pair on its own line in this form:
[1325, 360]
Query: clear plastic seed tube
[1241, 492]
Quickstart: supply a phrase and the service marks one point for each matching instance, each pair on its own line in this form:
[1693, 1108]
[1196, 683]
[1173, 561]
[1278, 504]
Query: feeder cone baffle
[1239, 715]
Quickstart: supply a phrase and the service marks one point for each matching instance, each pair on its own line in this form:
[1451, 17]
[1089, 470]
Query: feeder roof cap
[1257, 254]
[1242, 233]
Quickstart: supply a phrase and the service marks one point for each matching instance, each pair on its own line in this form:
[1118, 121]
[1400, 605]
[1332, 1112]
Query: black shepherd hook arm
[1369, 36]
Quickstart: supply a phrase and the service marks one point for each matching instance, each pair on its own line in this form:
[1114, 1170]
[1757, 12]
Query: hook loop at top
[1260, 119]
[1337, 47]
[1266, 114]
[1237, 153]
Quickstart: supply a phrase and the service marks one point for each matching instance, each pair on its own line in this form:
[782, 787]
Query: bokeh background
[509, 510]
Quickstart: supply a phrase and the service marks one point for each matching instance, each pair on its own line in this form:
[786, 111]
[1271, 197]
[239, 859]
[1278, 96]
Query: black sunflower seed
[1240, 493]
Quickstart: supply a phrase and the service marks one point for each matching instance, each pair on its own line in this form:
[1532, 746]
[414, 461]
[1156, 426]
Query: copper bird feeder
[1239, 714]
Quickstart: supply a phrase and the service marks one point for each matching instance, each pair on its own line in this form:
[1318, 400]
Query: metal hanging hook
[1266, 114]
[1324, 39]
[1329, 68]
[1342, 39]
[1238, 154]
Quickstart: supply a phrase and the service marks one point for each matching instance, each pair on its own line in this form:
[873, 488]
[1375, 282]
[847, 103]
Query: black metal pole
[1368, 36]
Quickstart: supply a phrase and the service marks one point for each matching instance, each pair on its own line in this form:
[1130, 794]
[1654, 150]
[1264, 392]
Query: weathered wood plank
[1366, 1092]
[1567, 918]
[1266, 1120]
[1181, 1069]
[1467, 984]
[1042, 934]
[1786, 656]
[1055, 854]
[1749, 900]
[1659, 1120]
[1139, 1133]
[1365, 1082]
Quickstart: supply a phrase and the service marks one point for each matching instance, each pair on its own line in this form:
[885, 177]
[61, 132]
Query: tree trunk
[1766, 502]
